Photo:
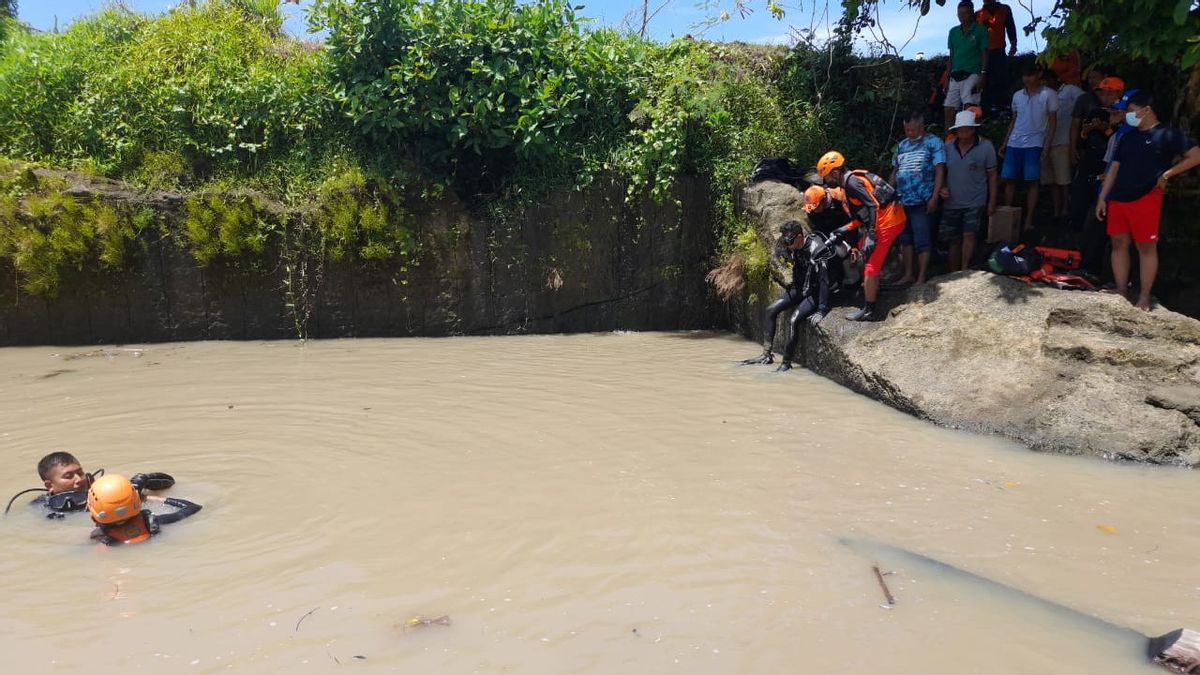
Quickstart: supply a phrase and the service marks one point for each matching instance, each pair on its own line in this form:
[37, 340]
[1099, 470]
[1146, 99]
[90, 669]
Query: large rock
[772, 204]
[1061, 371]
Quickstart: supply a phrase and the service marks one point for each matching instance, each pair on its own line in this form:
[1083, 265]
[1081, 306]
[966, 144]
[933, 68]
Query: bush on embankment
[496, 100]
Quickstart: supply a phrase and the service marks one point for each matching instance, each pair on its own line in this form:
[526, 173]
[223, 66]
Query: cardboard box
[1005, 225]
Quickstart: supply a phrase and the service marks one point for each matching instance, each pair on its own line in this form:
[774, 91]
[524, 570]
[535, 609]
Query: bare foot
[1143, 304]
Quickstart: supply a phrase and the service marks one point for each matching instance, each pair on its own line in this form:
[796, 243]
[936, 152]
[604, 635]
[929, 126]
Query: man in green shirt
[968, 53]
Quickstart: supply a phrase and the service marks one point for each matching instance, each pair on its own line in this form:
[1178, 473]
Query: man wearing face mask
[1142, 165]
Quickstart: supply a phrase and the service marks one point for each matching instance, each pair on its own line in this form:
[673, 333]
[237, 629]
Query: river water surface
[592, 504]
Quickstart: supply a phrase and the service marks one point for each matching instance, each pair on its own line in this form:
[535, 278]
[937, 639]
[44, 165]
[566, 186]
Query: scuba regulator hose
[14, 497]
[90, 477]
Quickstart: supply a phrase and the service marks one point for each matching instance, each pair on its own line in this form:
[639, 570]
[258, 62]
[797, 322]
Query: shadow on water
[1065, 622]
[701, 335]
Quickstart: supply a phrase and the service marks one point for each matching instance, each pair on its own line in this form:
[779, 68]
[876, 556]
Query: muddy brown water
[593, 504]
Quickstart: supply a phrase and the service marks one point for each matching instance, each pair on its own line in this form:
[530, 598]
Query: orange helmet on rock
[112, 499]
[830, 161]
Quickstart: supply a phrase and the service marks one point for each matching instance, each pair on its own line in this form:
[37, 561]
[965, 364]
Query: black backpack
[1024, 261]
[781, 170]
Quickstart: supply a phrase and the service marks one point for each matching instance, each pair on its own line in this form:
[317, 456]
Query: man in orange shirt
[998, 18]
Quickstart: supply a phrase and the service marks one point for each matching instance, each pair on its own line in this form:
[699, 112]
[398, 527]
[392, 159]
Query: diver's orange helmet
[814, 197]
[830, 161]
[112, 499]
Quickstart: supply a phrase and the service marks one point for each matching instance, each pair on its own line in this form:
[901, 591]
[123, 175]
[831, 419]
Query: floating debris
[306, 615]
[420, 621]
[1107, 529]
[56, 373]
[887, 594]
[108, 353]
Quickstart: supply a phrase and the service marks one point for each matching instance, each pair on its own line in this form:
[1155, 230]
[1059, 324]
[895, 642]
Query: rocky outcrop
[1060, 371]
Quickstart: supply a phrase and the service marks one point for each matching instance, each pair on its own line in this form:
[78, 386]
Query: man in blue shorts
[1035, 118]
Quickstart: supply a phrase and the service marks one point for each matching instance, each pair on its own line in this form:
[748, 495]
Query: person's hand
[991, 209]
[945, 193]
[1162, 181]
[1101, 210]
[1012, 51]
[1074, 159]
[855, 255]
[979, 84]
[839, 235]
[932, 205]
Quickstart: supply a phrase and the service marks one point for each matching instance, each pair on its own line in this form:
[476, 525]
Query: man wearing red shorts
[1131, 198]
[874, 207]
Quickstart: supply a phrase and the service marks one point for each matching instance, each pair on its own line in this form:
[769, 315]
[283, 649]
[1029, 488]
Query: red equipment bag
[1060, 258]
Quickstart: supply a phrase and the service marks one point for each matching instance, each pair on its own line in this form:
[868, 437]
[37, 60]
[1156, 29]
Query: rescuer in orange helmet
[115, 505]
[874, 208]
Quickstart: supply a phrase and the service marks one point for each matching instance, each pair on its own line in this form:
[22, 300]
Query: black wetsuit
[808, 293]
[829, 220]
[154, 521]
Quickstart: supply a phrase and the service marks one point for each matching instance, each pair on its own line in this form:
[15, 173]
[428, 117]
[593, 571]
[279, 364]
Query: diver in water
[66, 485]
[812, 257]
[115, 504]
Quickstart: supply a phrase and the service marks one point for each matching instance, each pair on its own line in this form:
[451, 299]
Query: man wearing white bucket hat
[970, 188]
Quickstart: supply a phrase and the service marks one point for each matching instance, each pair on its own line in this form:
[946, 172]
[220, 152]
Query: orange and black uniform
[873, 207]
[145, 524]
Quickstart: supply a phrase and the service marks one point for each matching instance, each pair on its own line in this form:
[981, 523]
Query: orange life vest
[888, 213]
[136, 529]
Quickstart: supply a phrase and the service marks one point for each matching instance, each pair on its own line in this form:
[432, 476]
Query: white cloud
[784, 39]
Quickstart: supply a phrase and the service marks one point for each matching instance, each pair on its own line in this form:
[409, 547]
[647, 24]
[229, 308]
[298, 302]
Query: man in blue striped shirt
[918, 172]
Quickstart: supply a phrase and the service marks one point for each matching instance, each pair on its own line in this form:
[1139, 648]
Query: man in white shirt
[1056, 166]
[1031, 131]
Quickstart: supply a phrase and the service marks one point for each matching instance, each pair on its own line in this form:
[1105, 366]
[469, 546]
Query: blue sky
[679, 17]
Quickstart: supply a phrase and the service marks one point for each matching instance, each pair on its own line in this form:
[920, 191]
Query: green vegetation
[46, 234]
[1164, 32]
[292, 150]
[464, 89]
[225, 225]
[496, 100]
[214, 89]
[360, 217]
